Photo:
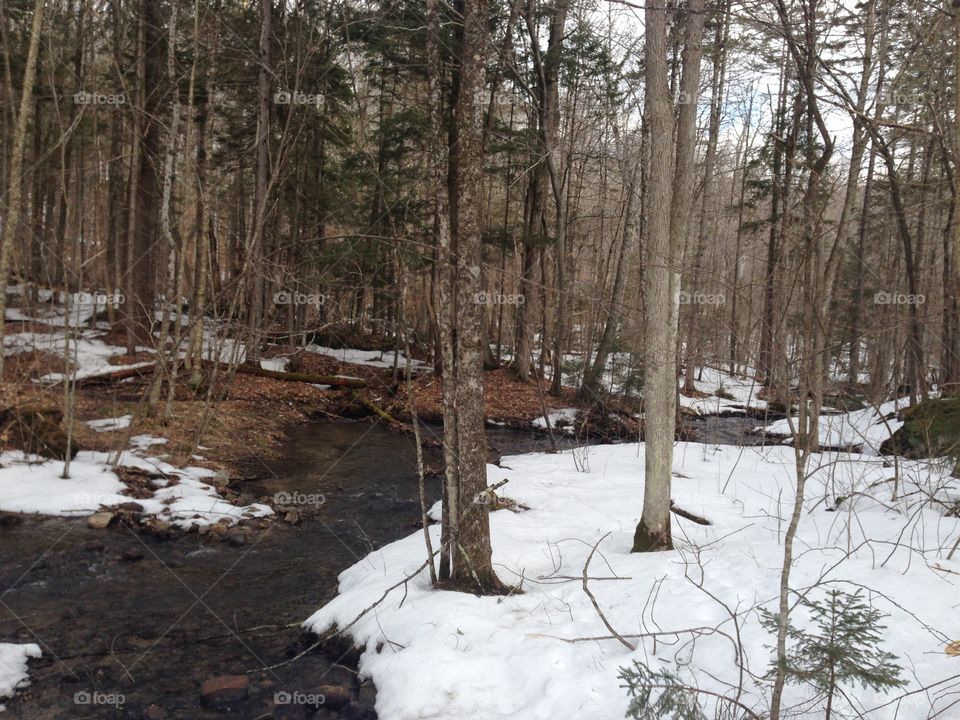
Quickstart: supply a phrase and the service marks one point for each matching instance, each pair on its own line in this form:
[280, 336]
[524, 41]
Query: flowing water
[131, 623]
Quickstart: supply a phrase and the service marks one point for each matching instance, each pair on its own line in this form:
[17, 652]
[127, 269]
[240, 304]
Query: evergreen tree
[840, 647]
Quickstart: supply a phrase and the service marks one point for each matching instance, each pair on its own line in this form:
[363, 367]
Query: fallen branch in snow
[309, 378]
[593, 600]
[112, 376]
[688, 515]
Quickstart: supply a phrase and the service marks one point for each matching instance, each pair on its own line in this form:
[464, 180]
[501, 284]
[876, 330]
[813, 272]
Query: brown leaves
[953, 648]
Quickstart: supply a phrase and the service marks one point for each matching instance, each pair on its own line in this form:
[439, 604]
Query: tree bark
[15, 183]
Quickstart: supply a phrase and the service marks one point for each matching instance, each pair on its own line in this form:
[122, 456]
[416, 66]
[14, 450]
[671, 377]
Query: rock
[154, 712]
[368, 694]
[930, 429]
[134, 507]
[133, 554]
[100, 520]
[10, 520]
[334, 696]
[356, 711]
[289, 712]
[237, 539]
[224, 690]
[292, 517]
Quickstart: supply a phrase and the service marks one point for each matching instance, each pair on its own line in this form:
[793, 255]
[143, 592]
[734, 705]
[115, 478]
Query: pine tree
[841, 646]
[675, 701]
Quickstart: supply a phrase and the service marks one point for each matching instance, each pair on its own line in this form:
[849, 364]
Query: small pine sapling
[676, 701]
[841, 647]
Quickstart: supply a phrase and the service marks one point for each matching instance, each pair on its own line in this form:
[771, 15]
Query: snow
[741, 392]
[90, 354]
[110, 424]
[83, 307]
[519, 656]
[863, 429]
[562, 419]
[182, 496]
[373, 358]
[275, 364]
[13, 667]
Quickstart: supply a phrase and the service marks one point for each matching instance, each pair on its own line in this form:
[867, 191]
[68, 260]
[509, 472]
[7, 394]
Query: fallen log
[112, 376]
[302, 377]
[676, 510]
[376, 410]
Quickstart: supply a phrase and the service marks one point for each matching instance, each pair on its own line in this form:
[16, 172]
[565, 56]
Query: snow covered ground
[544, 653]
[373, 358]
[562, 419]
[729, 394]
[13, 667]
[181, 496]
[90, 354]
[862, 429]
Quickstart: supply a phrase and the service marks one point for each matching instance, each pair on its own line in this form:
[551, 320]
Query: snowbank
[563, 419]
[373, 358]
[181, 496]
[863, 429]
[90, 354]
[535, 654]
[13, 667]
[728, 394]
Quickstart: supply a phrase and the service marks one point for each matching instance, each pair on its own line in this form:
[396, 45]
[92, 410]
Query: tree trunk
[15, 186]
[667, 211]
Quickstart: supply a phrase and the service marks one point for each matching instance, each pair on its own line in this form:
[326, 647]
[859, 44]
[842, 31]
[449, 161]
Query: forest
[467, 359]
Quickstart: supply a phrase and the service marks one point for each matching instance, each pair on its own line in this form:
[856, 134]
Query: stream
[132, 624]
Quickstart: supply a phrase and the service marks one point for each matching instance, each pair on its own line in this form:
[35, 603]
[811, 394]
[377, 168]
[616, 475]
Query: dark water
[120, 613]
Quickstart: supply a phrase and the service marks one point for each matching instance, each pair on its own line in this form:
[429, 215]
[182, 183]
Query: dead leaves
[953, 648]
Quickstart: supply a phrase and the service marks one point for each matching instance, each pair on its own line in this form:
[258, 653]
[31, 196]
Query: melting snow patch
[110, 424]
[13, 667]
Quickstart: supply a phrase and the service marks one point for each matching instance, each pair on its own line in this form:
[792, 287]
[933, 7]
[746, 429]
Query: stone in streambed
[100, 520]
[224, 690]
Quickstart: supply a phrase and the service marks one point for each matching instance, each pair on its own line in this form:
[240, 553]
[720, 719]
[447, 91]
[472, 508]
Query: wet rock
[133, 554]
[368, 694]
[334, 696]
[290, 712]
[292, 517]
[10, 519]
[154, 712]
[100, 520]
[237, 539]
[224, 690]
[356, 711]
